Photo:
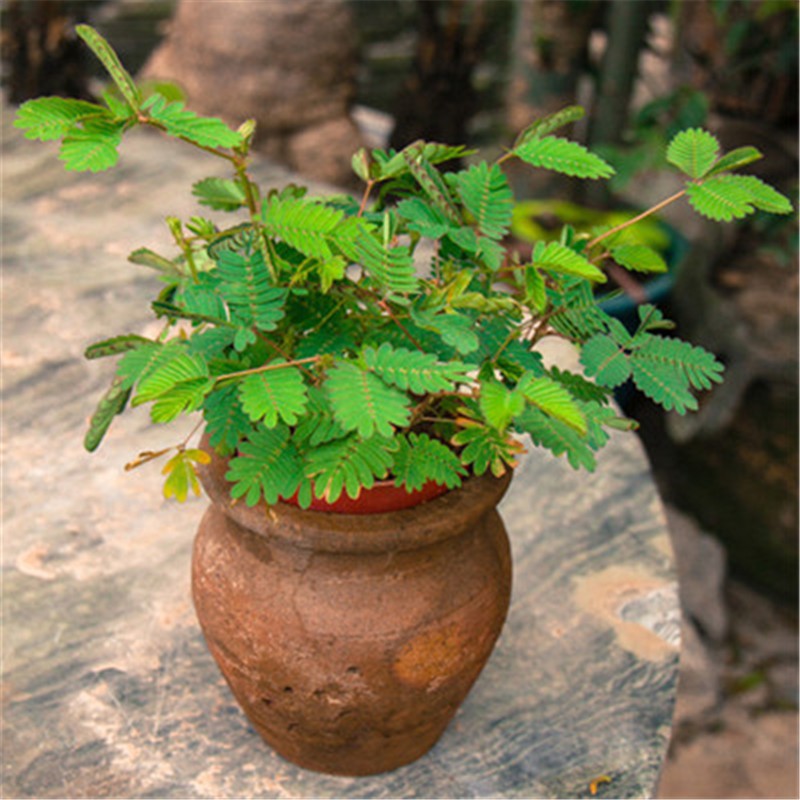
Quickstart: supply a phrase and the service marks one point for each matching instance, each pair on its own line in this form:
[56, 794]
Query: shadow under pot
[350, 640]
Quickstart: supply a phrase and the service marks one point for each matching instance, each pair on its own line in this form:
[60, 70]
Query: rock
[701, 574]
[699, 683]
[749, 757]
[288, 64]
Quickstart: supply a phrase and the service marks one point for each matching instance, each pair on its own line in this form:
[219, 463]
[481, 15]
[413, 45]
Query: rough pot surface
[350, 641]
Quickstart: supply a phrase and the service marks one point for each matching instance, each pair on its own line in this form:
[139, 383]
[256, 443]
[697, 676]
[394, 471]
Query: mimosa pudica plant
[321, 355]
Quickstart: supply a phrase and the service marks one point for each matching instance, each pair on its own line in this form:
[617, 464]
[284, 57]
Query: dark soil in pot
[350, 640]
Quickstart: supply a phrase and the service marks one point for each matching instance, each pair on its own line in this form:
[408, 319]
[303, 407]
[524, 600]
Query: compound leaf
[392, 267]
[226, 422]
[486, 194]
[606, 360]
[721, 198]
[554, 399]
[693, 152]
[559, 258]
[564, 156]
[486, 448]
[274, 394]
[182, 475]
[362, 402]
[115, 345]
[184, 124]
[419, 459]
[111, 403]
[103, 50]
[268, 465]
[498, 404]
[412, 370]
[548, 124]
[556, 436]
[93, 146]
[220, 194]
[48, 118]
[349, 464]
[639, 258]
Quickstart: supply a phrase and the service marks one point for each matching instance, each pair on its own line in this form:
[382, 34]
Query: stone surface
[108, 689]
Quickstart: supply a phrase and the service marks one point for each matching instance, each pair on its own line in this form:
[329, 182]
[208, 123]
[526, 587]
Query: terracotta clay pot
[350, 640]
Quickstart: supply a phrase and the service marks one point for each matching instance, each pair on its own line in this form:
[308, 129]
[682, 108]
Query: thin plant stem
[638, 218]
[266, 368]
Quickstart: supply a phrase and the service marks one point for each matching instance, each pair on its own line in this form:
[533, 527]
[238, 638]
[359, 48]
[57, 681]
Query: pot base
[353, 663]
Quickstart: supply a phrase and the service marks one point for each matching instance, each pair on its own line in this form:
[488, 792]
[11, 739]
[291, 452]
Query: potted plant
[361, 409]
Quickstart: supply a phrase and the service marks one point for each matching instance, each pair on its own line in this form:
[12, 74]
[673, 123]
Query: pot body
[351, 640]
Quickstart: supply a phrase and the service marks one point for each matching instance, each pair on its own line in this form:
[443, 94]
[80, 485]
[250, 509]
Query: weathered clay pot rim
[407, 529]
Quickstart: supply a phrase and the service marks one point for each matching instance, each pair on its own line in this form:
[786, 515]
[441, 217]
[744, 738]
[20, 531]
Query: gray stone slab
[108, 689]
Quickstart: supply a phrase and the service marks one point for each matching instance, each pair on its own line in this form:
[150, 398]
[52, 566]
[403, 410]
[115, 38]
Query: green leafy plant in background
[323, 353]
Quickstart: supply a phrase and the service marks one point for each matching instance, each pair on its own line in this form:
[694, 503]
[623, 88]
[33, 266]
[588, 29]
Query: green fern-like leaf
[310, 227]
[554, 399]
[182, 475]
[431, 182]
[763, 196]
[93, 146]
[136, 365]
[220, 194]
[693, 152]
[274, 394]
[420, 459]
[734, 160]
[558, 258]
[362, 402]
[700, 367]
[564, 156]
[575, 312]
[424, 218]
[638, 257]
[394, 166]
[392, 267]
[103, 50]
[412, 370]
[548, 124]
[182, 398]
[113, 402]
[49, 118]
[246, 286]
[605, 360]
[721, 198]
[179, 368]
[456, 330]
[498, 404]
[331, 339]
[557, 437]
[486, 194]
[226, 422]
[184, 124]
[268, 465]
[580, 388]
[317, 425]
[148, 258]
[663, 382]
[203, 298]
[115, 346]
[486, 448]
[349, 464]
